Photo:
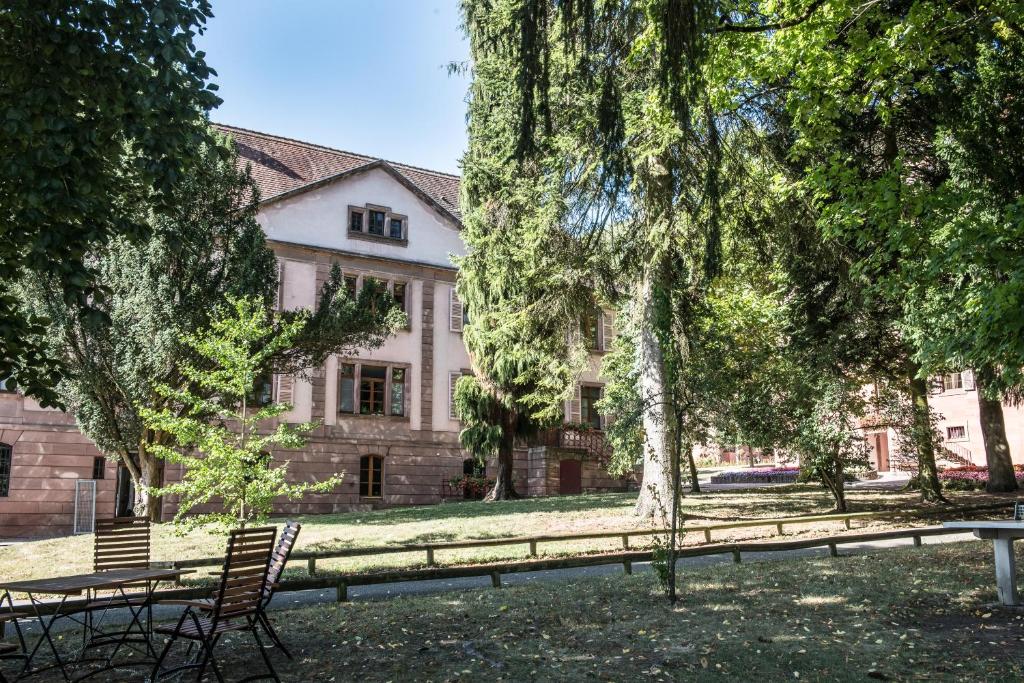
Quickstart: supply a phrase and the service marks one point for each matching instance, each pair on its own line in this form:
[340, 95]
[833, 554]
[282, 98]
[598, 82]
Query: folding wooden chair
[121, 543]
[285, 544]
[12, 650]
[236, 605]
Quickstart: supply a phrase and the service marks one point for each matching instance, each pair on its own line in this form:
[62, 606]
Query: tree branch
[724, 25]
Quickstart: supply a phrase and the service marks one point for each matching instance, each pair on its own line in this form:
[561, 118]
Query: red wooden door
[570, 479]
[881, 447]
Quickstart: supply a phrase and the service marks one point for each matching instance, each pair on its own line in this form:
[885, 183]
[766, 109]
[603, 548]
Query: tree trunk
[694, 483]
[1001, 477]
[151, 477]
[676, 493]
[504, 485]
[927, 472]
[655, 495]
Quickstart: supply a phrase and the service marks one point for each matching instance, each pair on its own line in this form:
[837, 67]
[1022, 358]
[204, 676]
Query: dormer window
[377, 223]
[355, 221]
[377, 219]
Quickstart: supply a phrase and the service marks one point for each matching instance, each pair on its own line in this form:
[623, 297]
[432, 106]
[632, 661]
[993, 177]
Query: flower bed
[760, 475]
[972, 477]
[472, 488]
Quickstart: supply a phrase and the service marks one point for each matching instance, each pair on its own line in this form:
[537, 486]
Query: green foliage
[227, 459]
[205, 249]
[104, 105]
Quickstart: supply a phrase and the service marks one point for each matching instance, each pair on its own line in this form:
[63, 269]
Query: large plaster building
[386, 417]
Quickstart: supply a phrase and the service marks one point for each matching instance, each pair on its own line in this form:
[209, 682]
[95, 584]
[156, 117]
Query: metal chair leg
[272, 634]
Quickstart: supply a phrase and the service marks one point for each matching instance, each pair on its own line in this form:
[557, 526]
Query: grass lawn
[900, 614]
[475, 520]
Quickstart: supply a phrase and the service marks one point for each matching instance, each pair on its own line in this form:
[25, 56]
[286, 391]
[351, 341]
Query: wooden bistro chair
[237, 604]
[285, 544]
[122, 543]
[11, 650]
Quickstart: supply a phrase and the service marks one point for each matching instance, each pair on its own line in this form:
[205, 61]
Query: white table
[1002, 534]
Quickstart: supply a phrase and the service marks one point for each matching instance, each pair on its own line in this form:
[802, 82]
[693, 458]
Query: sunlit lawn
[477, 520]
[899, 614]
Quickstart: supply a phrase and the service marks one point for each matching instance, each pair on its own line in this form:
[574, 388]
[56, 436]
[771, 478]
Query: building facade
[385, 416]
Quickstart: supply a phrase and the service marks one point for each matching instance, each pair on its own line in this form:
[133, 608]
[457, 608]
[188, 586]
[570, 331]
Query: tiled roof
[283, 166]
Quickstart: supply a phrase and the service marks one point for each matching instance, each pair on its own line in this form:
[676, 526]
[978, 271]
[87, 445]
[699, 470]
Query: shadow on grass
[477, 509]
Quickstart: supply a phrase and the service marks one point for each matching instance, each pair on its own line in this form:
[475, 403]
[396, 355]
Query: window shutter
[967, 379]
[935, 385]
[285, 388]
[607, 331]
[280, 285]
[574, 407]
[455, 311]
[453, 378]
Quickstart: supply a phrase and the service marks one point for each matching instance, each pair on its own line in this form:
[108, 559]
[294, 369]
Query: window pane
[371, 390]
[99, 467]
[346, 388]
[588, 413]
[5, 469]
[351, 283]
[356, 221]
[370, 474]
[378, 466]
[398, 391]
[399, 294]
[377, 222]
[396, 228]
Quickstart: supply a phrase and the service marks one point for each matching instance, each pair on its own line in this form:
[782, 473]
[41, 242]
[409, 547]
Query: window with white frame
[372, 389]
[952, 381]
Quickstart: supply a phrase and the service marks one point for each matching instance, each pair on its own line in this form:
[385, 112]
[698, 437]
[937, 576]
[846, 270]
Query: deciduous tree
[104, 107]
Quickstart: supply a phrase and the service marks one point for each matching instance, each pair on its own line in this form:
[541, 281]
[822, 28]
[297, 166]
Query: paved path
[291, 600]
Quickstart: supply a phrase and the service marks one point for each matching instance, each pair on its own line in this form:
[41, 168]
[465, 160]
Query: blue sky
[365, 76]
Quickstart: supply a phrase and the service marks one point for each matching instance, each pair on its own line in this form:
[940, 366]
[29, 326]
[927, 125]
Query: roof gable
[283, 167]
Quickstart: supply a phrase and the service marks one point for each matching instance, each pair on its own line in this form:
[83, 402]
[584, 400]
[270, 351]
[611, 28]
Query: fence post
[496, 579]
[832, 550]
[627, 566]
[177, 579]
[778, 528]
[533, 548]
[311, 566]
[625, 541]
[846, 521]
[342, 591]
[917, 541]
[736, 555]
[707, 535]
[430, 557]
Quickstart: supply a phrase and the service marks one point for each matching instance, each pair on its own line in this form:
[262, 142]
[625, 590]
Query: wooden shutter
[967, 380]
[280, 285]
[285, 388]
[454, 311]
[453, 378]
[572, 415]
[607, 331]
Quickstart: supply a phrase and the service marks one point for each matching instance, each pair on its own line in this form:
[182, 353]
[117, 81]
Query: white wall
[319, 218]
[449, 356]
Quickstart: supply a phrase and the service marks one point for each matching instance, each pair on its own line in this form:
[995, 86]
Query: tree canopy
[104, 107]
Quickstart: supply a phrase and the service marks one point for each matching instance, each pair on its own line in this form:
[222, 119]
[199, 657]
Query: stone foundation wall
[48, 455]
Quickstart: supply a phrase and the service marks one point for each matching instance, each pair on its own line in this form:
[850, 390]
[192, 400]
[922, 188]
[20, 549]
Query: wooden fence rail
[430, 549]
[341, 583]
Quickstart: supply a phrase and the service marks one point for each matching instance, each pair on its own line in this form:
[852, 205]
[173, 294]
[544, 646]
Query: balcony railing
[569, 438]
